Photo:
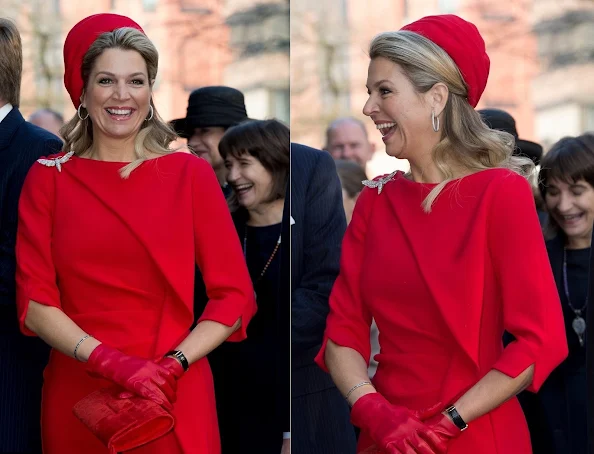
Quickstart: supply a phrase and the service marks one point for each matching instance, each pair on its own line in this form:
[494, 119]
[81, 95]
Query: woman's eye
[138, 82]
[105, 80]
[384, 91]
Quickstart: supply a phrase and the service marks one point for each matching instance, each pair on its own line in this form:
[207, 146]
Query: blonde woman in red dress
[445, 259]
[109, 234]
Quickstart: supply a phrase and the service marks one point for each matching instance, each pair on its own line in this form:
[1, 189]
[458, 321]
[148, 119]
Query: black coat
[553, 414]
[320, 415]
[590, 356]
[22, 358]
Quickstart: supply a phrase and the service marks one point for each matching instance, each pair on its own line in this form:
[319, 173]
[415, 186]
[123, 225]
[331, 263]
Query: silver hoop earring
[151, 115]
[79, 115]
[434, 122]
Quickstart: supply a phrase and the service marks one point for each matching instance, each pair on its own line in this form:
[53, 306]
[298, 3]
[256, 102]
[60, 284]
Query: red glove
[393, 428]
[443, 427]
[141, 376]
[172, 365]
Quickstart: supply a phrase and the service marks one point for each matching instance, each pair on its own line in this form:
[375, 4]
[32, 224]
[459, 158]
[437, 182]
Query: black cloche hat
[212, 106]
[503, 121]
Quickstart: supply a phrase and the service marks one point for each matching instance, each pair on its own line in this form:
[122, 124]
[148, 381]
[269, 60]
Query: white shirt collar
[4, 111]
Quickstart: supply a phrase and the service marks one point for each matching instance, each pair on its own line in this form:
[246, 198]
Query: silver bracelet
[358, 385]
[85, 337]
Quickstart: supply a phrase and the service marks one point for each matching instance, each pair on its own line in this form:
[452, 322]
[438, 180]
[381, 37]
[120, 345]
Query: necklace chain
[577, 312]
[276, 247]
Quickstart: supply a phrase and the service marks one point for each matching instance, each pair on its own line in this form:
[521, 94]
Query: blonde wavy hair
[154, 136]
[466, 141]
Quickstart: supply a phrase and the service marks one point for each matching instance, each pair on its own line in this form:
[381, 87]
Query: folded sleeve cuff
[516, 359]
[228, 312]
[343, 338]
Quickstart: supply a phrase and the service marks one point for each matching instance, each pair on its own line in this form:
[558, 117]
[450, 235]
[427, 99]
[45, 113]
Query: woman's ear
[438, 97]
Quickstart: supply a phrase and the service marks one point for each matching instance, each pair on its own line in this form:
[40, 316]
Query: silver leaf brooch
[380, 182]
[56, 162]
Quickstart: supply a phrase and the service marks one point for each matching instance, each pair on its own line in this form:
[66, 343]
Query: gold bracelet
[358, 385]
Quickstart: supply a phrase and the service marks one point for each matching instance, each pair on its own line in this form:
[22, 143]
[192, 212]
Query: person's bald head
[346, 138]
[47, 119]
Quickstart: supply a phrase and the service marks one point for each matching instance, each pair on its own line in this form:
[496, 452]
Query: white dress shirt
[4, 111]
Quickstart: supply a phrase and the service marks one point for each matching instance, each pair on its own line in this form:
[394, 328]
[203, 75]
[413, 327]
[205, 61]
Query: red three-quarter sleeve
[219, 256]
[35, 273]
[531, 308]
[349, 319]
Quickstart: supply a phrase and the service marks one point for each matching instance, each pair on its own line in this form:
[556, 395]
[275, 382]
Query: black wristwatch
[456, 418]
[180, 357]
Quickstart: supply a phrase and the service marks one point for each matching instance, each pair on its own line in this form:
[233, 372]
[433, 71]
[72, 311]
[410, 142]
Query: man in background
[320, 422]
[48, 119]
[22, 358]
[346, 138]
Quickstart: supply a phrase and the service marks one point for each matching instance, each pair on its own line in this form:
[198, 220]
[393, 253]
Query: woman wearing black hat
[437, 257]
[567, 186]
[252, 377]
[211, 111]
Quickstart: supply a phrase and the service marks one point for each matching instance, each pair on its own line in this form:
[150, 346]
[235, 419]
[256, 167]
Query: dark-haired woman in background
[252, 377]
[567, 187]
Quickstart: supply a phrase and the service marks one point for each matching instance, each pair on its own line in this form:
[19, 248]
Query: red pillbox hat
[463, 43]
[77, 44]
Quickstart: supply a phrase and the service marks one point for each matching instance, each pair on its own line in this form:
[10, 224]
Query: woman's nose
[370, 106]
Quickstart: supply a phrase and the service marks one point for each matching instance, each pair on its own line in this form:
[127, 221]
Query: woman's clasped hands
[153, 380]
[397, 430]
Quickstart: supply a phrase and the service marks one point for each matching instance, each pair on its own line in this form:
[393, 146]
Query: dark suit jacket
[320, 415]
[22, 359]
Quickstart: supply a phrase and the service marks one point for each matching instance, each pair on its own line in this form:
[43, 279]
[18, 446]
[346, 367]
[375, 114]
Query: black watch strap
[456, 418]
[177, 354]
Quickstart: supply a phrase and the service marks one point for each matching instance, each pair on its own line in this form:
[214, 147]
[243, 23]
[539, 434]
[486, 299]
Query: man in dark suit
[320, 415]
[22, 359]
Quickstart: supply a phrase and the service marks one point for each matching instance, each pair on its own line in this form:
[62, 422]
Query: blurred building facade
[196, 39]
[564, 92]
[329, 41]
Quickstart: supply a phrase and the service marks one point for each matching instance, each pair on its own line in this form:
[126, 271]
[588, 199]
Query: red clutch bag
[122, 424]
[373, 449]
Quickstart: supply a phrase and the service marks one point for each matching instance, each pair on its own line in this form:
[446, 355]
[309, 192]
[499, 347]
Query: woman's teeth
[571, 217]
[119, 112]
[385, 128]
[243, 188]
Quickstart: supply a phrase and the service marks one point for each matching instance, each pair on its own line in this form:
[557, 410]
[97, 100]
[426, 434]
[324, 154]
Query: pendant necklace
[278, 243]
[578, 324]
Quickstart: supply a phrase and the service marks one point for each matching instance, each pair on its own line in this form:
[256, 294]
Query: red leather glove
[393, 428]
[172, 365]
[443, 427]
[141, 376]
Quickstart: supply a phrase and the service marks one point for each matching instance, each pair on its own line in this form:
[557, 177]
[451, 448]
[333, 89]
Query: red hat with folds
[463, 43]
[77, 44]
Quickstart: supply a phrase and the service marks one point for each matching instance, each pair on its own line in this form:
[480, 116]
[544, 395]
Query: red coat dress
[117, 256]
[442, 288]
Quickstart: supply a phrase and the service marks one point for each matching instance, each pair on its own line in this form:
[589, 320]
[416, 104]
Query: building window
[281, 105]
[448, 6]
[589, 118]
[149, 5]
